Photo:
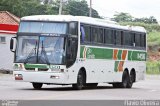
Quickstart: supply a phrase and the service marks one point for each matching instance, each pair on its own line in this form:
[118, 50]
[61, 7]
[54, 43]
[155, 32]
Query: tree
[41, 7]
[150, 20]
[80, 8]
[95, 13]
[77, 8]
[28, 7]
[122, 17]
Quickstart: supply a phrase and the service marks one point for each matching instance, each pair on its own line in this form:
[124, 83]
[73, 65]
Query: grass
[153, 67]
[153, 38]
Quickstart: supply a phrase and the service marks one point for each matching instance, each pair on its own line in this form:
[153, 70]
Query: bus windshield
[40, 50]
[43, 27]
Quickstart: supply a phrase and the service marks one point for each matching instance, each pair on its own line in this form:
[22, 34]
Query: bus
[78, 51]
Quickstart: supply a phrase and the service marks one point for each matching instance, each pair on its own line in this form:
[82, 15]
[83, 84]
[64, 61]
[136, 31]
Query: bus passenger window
[100, 35]
[94, 35]
[137, 40]
[82, 34]
[143, 40]
[87, 37]
[118, 38]
[108, 36]
[127, 41]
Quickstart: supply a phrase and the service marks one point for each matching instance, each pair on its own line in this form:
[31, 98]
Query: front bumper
[41, 77]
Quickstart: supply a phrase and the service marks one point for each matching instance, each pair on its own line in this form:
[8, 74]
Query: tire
[131, 80]
[125, 80]
[80, 81]
[92, 85]
[37, 85]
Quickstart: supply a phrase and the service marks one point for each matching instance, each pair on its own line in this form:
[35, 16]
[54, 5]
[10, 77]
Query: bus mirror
[12, 47]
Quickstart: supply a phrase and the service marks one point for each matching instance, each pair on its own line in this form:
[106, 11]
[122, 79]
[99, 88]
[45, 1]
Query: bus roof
[84, 19]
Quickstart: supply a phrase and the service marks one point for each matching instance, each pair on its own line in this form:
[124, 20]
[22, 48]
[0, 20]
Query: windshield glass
[43, 27]
[51, 49]
[40, 49]
[26, 46]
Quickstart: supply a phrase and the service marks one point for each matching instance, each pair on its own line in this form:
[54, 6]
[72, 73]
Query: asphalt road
[145, 90]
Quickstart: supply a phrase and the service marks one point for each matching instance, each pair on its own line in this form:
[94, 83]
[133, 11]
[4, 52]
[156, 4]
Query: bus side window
[127, 39]
[100, 35]
[94, 35]
[143, 40]
[82, 34]
[138, 40]
[108, 36]
[133, 39]
[85, 31]
[118, 38]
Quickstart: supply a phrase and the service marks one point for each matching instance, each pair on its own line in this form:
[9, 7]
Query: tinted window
[87, 31]
[137, 40]
[94, 35]
[127, 40]
[100, 35]
[143, 40]
[118, 37]
[109, 37]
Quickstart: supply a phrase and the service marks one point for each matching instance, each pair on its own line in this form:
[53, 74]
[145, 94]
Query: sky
[136, 8]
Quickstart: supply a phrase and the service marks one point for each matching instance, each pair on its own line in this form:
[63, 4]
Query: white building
[8, 28]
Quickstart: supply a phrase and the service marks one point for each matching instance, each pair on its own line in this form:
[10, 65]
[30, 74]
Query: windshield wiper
[30, 54]
[43, 51]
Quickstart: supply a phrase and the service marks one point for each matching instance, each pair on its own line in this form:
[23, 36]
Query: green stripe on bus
[97, 53]
[137, 56]
[116, 66]
[108, 53]
[81, 51]
[119, 54]
[104, 53]
[35, 66]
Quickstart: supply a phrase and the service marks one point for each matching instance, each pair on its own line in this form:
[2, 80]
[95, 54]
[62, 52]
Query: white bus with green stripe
[78, 51]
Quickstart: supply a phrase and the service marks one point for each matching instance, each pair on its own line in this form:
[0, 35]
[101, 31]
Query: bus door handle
[93, 72]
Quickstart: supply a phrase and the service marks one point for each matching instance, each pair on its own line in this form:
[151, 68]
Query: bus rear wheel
[80, 81]
[131, 79]
[37, 85]
[126, 81]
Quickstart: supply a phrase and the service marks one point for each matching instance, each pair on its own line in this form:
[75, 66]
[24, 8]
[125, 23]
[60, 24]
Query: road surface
[145, 90]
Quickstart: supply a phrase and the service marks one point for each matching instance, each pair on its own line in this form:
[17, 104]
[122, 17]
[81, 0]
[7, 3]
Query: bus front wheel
[37, 85]
[80, 81]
